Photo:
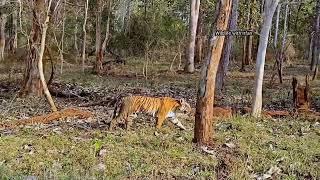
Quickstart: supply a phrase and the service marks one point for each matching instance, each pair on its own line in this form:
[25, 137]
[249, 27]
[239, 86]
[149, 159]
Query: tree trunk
[32, 83]
[248, 57]
[102, 48]
[275, 40]
[15, 30]
[283, 44]
[203, 130]
[199, 40]
[270, 7]
[194, 13]
[61, 49]
[98, 65]
[225, 59]
[316, 43]
[84, 34]
[3, 20]
[40, 57]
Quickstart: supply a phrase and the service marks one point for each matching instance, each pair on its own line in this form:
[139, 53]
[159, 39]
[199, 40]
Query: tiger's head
[184, 106]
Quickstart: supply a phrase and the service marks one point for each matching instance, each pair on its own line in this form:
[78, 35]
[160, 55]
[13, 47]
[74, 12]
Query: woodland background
[95, 51]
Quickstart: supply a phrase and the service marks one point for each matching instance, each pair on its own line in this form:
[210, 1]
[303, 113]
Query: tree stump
[301, 94]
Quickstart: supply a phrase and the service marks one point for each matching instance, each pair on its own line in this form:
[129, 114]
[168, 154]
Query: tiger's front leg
[176, 122]
[172, 117]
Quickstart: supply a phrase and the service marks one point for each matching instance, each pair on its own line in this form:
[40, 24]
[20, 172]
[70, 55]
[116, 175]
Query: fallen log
[48, 118]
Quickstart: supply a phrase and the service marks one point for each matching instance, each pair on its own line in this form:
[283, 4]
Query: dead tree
[205, 98]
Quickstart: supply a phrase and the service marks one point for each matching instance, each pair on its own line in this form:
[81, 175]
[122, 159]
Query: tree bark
[102, 47]
[199, 38]
[275, 41]
[316, 44]
[61, 49]
[283, 44]
[270, 7]
[32, 83]
[98, 65]
[194, 14]
[225, 59]
[40, 57]
[3, 20]
[203, 130]
[84, 34]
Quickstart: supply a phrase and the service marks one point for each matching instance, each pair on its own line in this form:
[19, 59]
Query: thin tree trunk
[316, 43]
[244, 54]
[199, 36]
[75, 36]
[270, 7]
[40, 57]
[248, 60]
[225, 59]
[15, 30]
[98, 64]
[102, 48]
[203, 130]
[126, 22]
[84, 35]
[3, 20]
[283, 44]
[275, 41]
[62, 38]
[194, 14]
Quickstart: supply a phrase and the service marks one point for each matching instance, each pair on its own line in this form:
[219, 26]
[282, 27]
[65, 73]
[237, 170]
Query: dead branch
[45, 119]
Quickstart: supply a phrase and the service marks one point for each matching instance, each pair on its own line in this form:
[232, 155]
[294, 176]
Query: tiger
[160, 107]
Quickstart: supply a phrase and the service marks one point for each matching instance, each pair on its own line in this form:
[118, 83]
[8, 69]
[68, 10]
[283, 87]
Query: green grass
[291, 144]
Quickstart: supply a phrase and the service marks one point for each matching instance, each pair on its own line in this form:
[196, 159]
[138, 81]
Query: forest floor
[246, 148]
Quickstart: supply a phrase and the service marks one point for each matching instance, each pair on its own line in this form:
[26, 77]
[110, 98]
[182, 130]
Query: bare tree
[194, 14]
[269, 9]
[205, 98]
[3, 20]
[84, 34]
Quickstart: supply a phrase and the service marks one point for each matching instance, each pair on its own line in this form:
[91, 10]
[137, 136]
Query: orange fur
[158, 107]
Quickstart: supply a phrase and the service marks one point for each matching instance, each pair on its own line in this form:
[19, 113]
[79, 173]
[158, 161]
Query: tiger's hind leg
[113, 122]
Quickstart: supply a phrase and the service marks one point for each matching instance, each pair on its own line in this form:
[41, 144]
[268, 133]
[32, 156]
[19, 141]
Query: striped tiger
[162, 108]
